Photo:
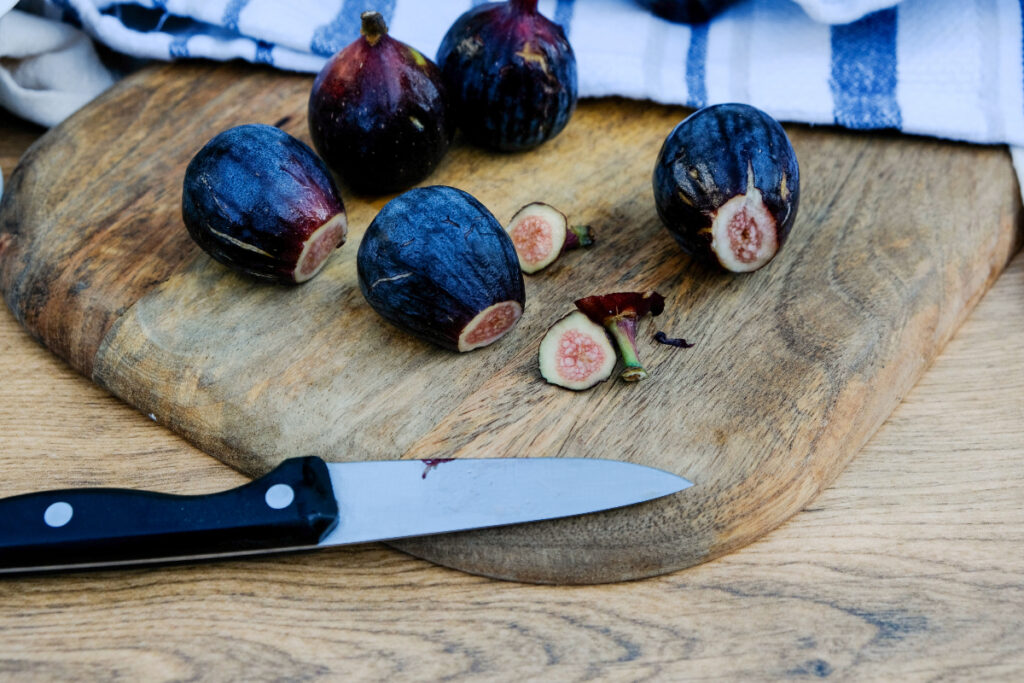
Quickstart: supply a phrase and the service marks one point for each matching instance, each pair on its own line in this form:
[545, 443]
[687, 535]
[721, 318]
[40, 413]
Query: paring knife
[306, 503]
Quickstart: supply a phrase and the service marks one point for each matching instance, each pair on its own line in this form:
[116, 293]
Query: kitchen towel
[945, 68]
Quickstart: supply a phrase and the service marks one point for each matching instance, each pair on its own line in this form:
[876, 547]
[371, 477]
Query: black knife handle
[291, 507]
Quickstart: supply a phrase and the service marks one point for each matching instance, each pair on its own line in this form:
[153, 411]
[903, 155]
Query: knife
[306, 503]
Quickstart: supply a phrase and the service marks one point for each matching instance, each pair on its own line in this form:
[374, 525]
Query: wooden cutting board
[794, 367]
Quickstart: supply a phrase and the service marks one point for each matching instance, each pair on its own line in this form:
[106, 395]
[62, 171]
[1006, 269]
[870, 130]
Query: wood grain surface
[906, 568]
[794, 369]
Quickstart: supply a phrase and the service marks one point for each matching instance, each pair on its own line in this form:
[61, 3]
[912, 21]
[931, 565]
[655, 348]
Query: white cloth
[944, 68]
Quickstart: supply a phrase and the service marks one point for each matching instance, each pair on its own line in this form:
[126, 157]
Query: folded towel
[944, 68]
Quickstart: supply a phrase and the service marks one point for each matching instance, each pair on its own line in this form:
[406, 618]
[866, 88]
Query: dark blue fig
[727, 186]
[512, 74]
[438, 265]
[686, 11]
[378, 112]
[263, 203]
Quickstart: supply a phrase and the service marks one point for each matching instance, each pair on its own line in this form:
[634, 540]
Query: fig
[576, 354]
[618, 313]
[541, 233]
[727, 186]
[511, 73]
[686, 11]
[263, 203]
[379, 113]
[438, 265]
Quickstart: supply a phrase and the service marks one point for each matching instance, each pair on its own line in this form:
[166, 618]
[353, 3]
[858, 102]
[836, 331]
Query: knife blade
[306, 503]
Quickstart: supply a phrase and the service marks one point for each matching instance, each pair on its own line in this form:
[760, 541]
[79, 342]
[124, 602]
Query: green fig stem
[524, 6]
[623, 331]
[578, 236]
[374, 26]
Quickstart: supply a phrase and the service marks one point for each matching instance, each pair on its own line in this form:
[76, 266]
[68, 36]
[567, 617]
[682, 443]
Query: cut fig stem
[578, 236]
[373, 26]
[524, 6]
[623, 331]
[618, 313]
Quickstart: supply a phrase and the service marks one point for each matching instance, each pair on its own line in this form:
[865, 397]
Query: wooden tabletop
[911, 566]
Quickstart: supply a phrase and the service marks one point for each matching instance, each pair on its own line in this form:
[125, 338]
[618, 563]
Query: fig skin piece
[576, 354]
[686, 11]
[541, 233]
[379, 113]
[618, 313]
[264, 204]
[727, 186]
[511, 73]
[436, 264]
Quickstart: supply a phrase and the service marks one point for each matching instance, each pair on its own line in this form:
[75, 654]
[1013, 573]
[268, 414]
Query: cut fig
[379, 113]
[511, 73]
[618, 313]
[541, 233]
[438, 265]
[576, 354]
[727, 186]
[263, 203]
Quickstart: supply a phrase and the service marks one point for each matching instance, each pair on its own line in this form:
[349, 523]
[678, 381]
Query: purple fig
[511, 73]
[378, 112]
[263, 203]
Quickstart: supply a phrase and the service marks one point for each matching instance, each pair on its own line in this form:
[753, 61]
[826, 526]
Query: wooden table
[910, 567]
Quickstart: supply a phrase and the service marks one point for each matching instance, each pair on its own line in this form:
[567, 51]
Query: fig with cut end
[576, 354]
[263, 203]
[438, 265]
[618, 313]
[686, 11]
[378, 112]
[512, 74]
[541, 233]
[727, 186]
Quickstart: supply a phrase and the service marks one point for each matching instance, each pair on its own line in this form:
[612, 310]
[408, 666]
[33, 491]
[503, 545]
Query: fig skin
[433, 260]
[686, 11]
[733, 156]
[511, 73]
[618, 313]
[379, 113]
[254, 196]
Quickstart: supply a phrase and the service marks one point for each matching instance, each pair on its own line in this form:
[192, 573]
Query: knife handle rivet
[58, 514]
[279, 496]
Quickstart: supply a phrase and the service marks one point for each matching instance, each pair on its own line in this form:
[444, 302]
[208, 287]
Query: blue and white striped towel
[945, 68]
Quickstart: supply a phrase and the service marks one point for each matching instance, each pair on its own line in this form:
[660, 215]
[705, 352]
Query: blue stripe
[344, 28]
[1022, 44]
[696, 61]
[563, 14]
[264, 52]
[231, 14]
[864, 72]
[178, 48]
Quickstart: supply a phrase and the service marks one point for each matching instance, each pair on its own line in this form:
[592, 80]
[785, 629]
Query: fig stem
[524, 6]
[373, 26]
[623, 331]
[578, 236]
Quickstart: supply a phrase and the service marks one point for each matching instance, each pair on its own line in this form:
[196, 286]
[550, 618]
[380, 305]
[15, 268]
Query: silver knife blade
[305, 504]
[397, 499]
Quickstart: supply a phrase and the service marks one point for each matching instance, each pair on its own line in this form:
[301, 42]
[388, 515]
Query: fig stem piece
[618, 313]
[578, 236]
[374, 26]
[524, 6]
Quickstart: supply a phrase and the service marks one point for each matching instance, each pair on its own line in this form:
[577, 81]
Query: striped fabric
[945, 68]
